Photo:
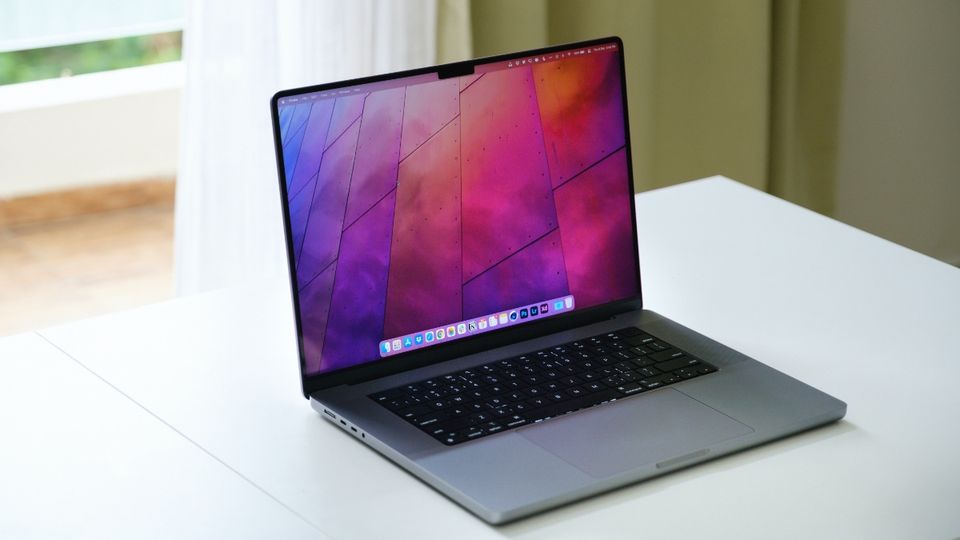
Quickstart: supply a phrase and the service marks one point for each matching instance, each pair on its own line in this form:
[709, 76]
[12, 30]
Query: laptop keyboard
[506, 394]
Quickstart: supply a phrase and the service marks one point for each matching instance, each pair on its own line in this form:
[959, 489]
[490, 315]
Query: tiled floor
[57, 271]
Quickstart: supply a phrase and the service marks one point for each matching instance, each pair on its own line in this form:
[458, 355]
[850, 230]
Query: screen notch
[455, 70]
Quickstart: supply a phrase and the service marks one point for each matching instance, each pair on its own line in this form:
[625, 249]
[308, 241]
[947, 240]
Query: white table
[859, 317]
[80, 460]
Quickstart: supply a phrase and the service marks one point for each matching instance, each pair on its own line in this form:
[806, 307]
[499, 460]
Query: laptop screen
[424, 210]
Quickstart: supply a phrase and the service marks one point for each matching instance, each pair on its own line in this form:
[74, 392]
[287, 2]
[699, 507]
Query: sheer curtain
[228, 226]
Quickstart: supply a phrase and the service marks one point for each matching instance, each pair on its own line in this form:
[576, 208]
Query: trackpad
[617, 437]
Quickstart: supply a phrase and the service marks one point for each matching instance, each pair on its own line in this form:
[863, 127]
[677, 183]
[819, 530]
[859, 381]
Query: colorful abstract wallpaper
[422, 205]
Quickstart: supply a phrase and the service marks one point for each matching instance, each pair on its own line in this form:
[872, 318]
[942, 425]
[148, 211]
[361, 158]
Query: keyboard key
[397, 404]
[436, 393]
[414, 412]
[438, 404]
[429, 419]
[648, 371]
[453, 437]
[594, 387]
[388, 395]
[492, 427]
[641, 339]
[614, 380]
[643, 361]
[657, 346]
[494, 402]
[533, 391]
[631, 388]
[537, 402]
[676, 363]
[654, 382]
[451, 424]
[480, 418]
[502, 411]
[625, 367]
[515, 421]
[666, 355]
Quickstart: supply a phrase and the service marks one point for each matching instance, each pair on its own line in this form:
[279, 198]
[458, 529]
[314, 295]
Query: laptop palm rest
[654, 428]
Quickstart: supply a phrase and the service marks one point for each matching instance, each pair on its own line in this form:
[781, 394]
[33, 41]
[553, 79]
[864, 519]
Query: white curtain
[228, 226]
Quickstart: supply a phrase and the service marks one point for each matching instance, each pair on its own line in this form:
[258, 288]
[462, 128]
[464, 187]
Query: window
[42, 39]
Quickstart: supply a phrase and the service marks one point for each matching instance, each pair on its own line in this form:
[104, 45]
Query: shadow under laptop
[558, 517]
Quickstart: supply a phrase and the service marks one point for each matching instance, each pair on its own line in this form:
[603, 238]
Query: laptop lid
[442, 211]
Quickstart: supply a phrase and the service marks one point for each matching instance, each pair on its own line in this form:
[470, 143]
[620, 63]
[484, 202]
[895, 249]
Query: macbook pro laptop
[463, 255]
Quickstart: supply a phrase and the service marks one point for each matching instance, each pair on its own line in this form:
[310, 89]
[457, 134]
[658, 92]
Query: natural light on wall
[97, 80]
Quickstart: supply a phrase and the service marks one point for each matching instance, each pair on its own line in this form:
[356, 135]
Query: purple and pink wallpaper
[417, 206]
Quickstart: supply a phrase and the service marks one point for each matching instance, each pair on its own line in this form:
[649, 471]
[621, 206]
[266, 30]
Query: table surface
[185, 418]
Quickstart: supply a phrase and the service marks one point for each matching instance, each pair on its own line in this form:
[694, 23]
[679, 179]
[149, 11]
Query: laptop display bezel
[473, 344]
